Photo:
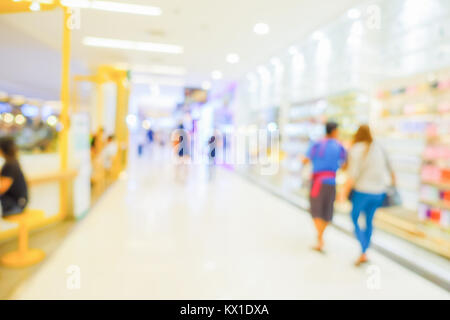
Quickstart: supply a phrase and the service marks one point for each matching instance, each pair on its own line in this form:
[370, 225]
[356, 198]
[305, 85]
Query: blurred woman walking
[369, 171]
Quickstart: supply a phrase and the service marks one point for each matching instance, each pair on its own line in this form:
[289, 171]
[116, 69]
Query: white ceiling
[207, 29]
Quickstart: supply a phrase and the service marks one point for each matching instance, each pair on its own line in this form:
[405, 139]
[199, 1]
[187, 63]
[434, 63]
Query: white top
[109, 152]
[371, 170]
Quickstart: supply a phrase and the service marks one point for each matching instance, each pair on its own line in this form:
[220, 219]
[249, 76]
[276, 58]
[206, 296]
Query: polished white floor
[151, 237]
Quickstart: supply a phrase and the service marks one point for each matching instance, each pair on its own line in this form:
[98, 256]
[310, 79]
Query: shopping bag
[350, 195]
[392, 198]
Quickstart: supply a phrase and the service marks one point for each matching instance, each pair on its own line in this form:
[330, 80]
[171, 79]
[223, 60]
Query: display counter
[44, 189]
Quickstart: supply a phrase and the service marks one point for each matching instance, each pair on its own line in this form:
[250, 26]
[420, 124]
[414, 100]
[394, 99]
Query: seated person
[13, 187]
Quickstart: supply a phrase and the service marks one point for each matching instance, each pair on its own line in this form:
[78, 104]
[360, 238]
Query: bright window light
[114, 7]
[216, 75]
[261, 28]
[233, 58]
[132, 45]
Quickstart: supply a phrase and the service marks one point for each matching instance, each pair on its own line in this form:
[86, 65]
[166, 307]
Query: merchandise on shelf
[415, 121]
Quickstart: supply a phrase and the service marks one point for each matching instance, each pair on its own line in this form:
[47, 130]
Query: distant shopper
[182, 152]
[326, 156]
[369, 170]
[13, 187]
[211, 157]
[150, 136]
[150, 140]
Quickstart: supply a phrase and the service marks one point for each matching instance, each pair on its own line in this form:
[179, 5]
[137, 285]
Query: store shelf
[424, 117]
[437, 204]
[442, 186]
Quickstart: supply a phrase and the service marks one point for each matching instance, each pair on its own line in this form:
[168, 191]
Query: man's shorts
[322, 206]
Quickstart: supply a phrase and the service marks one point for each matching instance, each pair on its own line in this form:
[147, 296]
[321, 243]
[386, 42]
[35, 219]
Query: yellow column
[100, 105]
[121, 126]
[65, 100]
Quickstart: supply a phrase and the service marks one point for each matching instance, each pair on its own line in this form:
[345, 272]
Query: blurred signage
[194, 95]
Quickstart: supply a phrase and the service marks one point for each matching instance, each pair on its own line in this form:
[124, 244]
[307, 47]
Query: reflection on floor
[151, 237]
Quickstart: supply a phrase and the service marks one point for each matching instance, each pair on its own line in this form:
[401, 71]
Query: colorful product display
[420, 115]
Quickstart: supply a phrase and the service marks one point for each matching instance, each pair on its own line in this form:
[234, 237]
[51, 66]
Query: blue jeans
[367, 203]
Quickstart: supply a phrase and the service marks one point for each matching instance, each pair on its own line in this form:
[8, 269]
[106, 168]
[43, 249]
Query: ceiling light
[261, 28]
[233, 58]
[8, 118]
[354, 14]
[52, 121]
[132, 45]
[131, 120]
[206, 85]
[113, 6]
[159, 69]
[20, 119]
[146, 124]
[216, 75]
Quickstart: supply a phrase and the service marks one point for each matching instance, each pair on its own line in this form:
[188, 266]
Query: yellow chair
[23, 256]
